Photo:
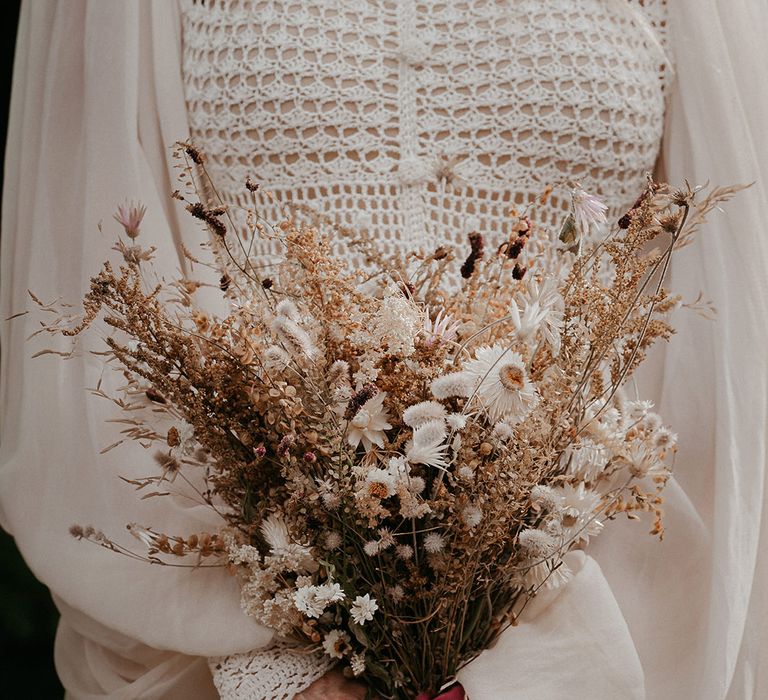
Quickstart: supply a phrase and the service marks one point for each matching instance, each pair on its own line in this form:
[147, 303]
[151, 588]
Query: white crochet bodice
[418, 120]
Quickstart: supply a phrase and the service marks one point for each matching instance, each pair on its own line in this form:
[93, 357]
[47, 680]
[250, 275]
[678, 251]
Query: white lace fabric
[277, 673]
[416, 121]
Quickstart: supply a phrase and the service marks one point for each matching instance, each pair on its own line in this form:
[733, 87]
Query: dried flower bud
[285, 445]
[173, 438]
[516, 247]
[359, 399]
[130, 217]
[224, 282]
[154, 395]
[310, 457]
[440, 254]
[250, 185]
[518, 271]
[77, 531]
[476, 243]
[194, 153]
[267, 283]
[260, 450]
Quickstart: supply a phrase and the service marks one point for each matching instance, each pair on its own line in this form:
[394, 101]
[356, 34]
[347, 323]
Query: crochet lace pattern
[420, 120]
[277, 673]
[416, 121]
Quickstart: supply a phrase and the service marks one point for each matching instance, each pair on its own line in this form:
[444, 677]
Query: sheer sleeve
[97, 102]
[695, 604]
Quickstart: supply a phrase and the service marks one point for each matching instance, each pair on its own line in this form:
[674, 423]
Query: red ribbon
[455, 693]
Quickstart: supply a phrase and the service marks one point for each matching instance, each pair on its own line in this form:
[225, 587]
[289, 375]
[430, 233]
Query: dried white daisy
[504, 388]
[336, 644]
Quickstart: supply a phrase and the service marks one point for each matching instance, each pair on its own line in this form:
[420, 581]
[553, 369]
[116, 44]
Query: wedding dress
[416, 121]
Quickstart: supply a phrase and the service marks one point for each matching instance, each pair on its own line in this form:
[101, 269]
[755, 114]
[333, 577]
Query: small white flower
[642, 462]
[442, 330]
[637, 410]
[434, 542]
[537, 544]
[383, 478]
[651, 422]
[421, 413]
[404, 551]
[544, 497]
[466, 473]
[460, 384]
[286, 308]
[539, 308]
[664, 439]
[416, 484]
[372, 548]
[428, 445]
[398, 322]
[503, 430]
[332, 540]
[579, 508]
[357, 663]
[456, 421]
[363, 608]
[504, 388]
[585, 459]
[549, 574]
[336, 644]
[471, 515]
[386, 538]
[328, 494]
[329, 593]
[369, 423]
[306, 601]
[587, 210]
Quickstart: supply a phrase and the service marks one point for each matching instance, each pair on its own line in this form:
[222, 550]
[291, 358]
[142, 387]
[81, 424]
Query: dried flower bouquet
[400, 455]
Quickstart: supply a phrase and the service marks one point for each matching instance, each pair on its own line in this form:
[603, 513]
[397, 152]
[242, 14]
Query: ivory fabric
[98, 99]
[580, 630]
[418, 122]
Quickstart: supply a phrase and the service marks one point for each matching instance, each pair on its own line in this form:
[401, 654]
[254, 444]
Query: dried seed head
[194, 153]
[154, 395]
[173, 438]
[518, 271]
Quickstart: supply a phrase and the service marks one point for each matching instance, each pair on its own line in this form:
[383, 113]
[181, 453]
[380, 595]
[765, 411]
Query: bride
[415, 120]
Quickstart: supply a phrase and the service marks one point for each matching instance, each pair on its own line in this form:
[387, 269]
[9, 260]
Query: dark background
[27, 614]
